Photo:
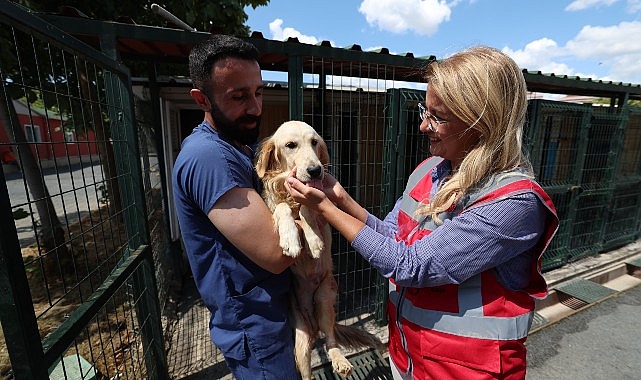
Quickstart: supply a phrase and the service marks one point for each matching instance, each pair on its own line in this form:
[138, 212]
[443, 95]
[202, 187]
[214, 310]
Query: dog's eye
[314, 142]
[291, 145]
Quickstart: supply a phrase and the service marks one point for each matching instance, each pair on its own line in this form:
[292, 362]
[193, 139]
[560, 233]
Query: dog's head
[294, 143]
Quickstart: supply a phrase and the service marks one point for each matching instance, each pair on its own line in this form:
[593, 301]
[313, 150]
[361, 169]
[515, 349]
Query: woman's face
[450, 138]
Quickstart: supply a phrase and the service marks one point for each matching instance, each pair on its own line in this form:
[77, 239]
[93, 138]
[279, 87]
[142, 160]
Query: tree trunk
[51, 232]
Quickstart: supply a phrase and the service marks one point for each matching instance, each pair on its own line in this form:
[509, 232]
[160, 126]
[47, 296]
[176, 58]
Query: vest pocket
[480, 354]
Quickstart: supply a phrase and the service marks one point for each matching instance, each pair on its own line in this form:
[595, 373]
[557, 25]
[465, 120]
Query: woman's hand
[333, 189]
[303, 194]
[329, 202]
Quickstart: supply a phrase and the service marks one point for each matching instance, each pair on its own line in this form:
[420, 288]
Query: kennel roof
[128, 40]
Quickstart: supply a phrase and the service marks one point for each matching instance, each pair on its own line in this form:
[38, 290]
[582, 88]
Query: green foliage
[37, 73]
[225, 16]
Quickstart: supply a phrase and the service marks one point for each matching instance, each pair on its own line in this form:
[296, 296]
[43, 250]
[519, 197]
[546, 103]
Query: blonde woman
[462, 247]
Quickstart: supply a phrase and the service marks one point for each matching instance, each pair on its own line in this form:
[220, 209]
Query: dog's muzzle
[315, 173]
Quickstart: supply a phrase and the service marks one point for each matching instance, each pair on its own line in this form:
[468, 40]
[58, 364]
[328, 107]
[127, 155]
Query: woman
[462, 247]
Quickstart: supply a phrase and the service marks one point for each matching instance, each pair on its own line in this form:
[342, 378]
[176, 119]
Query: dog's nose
[315, 171]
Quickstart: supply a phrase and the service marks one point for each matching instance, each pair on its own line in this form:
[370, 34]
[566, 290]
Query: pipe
[162, 12]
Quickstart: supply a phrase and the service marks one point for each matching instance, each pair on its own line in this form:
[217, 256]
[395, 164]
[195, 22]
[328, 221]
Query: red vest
[479, 326]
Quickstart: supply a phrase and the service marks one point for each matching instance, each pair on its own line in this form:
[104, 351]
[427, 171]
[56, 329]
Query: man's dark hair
[211, 50]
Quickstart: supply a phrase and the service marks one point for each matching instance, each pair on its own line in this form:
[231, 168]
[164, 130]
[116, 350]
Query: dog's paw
[290, 243]
[340, 364]
[316, 246]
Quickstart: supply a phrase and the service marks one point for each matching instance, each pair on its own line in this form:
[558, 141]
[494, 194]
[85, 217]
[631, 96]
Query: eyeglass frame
[424, 114]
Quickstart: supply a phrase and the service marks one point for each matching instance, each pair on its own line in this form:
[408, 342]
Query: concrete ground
[600, 342]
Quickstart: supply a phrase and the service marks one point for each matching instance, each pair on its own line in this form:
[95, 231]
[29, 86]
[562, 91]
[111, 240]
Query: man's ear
[201, 99]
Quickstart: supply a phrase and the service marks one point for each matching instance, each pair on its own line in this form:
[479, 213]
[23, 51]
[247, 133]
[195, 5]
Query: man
[227, 229]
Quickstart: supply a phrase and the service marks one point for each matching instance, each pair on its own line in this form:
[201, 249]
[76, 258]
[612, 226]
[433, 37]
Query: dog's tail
[354, 337]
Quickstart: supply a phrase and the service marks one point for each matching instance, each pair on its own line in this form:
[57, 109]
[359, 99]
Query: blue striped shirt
[498, 235]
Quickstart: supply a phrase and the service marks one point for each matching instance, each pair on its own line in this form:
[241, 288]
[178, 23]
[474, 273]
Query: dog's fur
[314, 292]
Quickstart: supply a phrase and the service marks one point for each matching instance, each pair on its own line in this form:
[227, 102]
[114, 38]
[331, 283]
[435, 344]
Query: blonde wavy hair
[485, 89]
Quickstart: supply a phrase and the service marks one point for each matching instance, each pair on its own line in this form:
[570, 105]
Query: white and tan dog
[297, 144]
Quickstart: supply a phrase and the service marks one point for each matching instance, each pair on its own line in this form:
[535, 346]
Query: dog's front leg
[287, 230]
[312, 232]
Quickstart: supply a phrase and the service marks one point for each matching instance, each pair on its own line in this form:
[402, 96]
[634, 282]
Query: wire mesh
[110, 346]
[348, 111]
[622, 223]
[629, 164]
[586, 229]
[600, 157]
[555, 142]
[71, 200]
[166, 262]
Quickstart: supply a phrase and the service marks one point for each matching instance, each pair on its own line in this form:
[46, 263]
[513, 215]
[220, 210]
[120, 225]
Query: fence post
[126, 149]
[17, 314]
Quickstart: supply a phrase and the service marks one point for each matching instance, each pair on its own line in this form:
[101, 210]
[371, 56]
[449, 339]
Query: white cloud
[579, 5]
[399, 16]
[634, 6]
[540, 55]
[613, 47]
[280, 34]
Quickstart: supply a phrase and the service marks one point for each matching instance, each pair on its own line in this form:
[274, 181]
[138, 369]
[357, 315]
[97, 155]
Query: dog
[297, 144]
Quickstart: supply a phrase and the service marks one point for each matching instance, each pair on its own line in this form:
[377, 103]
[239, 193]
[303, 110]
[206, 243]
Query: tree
[51, 232]
[224, 16]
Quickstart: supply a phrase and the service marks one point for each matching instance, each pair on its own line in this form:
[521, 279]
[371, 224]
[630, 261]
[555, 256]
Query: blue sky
[598, 39]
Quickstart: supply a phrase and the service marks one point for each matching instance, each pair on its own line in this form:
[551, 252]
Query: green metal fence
[585, 157]
[623, 218]
[78, 293]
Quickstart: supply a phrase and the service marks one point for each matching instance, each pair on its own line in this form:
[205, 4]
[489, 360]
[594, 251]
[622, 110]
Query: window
[32, 133]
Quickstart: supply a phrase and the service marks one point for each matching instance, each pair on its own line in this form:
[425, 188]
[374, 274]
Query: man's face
[233, 129]
[237, 99]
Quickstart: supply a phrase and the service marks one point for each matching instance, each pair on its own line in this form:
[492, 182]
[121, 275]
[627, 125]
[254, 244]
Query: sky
[598, 39]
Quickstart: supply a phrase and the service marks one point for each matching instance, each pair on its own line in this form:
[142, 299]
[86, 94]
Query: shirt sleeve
[385, 227]
[496, 235]
[209, 168]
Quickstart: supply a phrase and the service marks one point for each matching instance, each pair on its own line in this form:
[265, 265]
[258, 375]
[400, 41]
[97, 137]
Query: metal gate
[78, 296]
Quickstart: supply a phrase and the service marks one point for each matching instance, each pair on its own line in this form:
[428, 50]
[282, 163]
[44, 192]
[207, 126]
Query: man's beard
[232, 130]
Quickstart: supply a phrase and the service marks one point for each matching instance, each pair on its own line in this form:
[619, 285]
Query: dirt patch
[110, 341]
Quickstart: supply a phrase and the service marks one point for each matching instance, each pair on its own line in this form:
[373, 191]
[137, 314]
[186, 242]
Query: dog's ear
[264, 157]
[323, 153]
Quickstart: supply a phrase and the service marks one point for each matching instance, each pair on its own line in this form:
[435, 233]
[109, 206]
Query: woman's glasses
[432, 121]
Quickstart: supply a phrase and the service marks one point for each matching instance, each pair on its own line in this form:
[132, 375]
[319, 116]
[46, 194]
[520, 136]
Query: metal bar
[162, 12]
[17, 314]
[295, 89]
[57, 342]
